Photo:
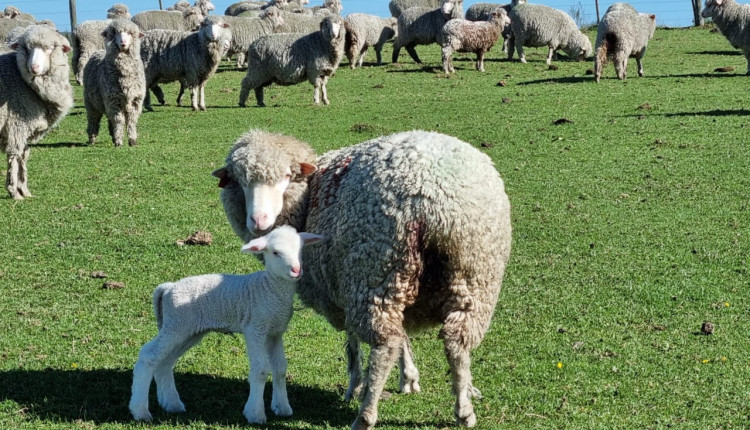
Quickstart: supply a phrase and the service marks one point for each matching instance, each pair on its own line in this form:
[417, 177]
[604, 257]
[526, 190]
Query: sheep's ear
[223, 176]
[14, 46]
[256, 245]
[104, 34]
[141, 35]
[718, 2]
[310, 238]
[225, 25]
[65, 49]
[307, 169]
[653, 17]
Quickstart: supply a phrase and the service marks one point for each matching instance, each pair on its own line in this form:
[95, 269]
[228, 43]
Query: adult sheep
[396, 7]
[418, 234]
[622, 33]
[34, 96]
[733, 21]
[423, 26]
[481, 12]
[87, 38]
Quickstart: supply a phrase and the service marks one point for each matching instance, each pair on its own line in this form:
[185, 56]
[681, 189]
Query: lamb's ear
[223, 176]
[307, 169]
[310, 238]
[255, 246]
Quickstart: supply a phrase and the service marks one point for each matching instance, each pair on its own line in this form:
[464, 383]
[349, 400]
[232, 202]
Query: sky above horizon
[670, 13]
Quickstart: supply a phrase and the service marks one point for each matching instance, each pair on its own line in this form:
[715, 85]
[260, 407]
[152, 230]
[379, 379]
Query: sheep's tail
[158, 294]
[602, 52]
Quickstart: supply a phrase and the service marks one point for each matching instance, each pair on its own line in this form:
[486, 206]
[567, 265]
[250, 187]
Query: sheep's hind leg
[409, 380]
[456, 326]
[23, 173]
[94, 119]
[166, 391]
[639, 62]
[354, 367]
[11, 178]
[279, 398]
[382, 359]
[413, 53]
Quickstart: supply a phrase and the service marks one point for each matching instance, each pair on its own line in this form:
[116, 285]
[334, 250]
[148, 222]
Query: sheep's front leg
[363, 53]
[202, 93]
[11, 178]
[550, 54]
[279, 398]
[23, 173]
[409, 380]
[194, 97]
[382, 359]
[116, 128]
[257, 354]
[447, 59]
[324, 89]
[354, 367]
[132, 114]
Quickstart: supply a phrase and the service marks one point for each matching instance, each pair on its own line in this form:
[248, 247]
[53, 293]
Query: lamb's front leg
[257, 354]
[279, 399]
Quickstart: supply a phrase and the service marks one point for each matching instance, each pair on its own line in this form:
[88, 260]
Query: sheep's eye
[276, 253]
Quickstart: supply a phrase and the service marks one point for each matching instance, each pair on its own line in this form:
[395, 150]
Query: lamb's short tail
[158, 294]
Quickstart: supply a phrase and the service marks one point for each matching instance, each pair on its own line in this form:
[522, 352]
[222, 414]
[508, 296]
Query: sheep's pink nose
[296, 271]
[35, 68]
[260, 221]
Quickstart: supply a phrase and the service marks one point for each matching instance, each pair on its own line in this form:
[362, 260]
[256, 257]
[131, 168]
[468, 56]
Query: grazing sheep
[733, 21]
[235, 9]
[87, 38]
[421, 26]
[299, 23]
[204, 5]
[258, 305]
[418, 232]
[460, 35]
[288, 59]
[364, 30]
[536, 25]
[190, 58]
[180, 6]
[12, 12]
[481, 12]
[245, 30]
[34, 95]
[329, 7]
[396, 7]
[114, 83]
[187, 20]
[622, 33]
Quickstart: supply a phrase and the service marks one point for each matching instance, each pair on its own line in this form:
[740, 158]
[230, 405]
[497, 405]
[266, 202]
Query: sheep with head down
[418, 233]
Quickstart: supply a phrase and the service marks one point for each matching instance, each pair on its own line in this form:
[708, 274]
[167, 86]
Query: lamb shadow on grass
[102, 395]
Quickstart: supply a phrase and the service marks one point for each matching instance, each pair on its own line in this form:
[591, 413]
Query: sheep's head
[193, 18]
[39, 50]
[205, 5]
[332, 27]
[122, 36]
[579, 48]
[712, 7]
[273, 15]
[282, 251]
[12, 12]
[334, 6]
[651, 20]
[265, 166]
[215, 30]
[452, 9]
[118, 10]
[500, 17]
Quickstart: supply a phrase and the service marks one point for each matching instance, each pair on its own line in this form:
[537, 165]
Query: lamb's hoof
[132, 142]
[173, 406]
[281, 410]
[255, 418]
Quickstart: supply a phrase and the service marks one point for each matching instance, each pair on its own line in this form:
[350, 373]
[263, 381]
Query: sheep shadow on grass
[60, 145]
[716, 53]
[102, 396]
[715, 112]
[562, 80]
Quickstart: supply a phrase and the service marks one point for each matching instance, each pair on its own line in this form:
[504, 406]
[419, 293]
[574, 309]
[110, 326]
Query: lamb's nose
[296, 272]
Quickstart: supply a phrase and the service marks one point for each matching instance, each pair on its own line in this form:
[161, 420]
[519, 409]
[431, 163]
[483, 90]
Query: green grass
[631, 228]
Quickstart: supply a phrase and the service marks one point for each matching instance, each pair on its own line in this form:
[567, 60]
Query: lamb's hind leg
[166, 391]
[150, 358]
[279, 398]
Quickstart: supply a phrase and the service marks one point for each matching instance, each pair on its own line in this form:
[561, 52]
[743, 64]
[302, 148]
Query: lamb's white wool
[258, 305]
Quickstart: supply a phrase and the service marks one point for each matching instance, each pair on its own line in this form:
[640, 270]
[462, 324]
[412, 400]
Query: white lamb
[259, 305]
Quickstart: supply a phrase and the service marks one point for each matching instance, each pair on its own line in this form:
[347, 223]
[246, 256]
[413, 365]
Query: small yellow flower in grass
[74, 365]
[706, 361]
[559, 365]
[726, 304]
[723, 359]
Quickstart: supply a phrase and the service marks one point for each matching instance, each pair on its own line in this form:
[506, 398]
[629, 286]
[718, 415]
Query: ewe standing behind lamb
[289, 58]
[364, 30]
[35, 94]
[535, 25]
[622, 33]
[423, 26]
[114, 83]
[191, 58]
[258, 305]
[418, 233]
[733, 21]
[460, 35]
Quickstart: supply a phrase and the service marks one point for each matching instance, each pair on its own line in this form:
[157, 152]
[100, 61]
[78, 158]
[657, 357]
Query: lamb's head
[40, 49]
[193, 17]
[271, 170]
[332, 27]
[273, 15]
[118, 10]
[713, 7]
[282, 251]
[452, 9]
[122, 35]
[216, 30]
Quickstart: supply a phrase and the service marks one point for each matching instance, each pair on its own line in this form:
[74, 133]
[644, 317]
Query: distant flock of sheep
[414, 228]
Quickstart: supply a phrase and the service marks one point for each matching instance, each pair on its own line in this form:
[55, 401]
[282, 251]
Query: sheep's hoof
[118, 144]
[141, 415]
[92, 140]
[203, 108]
[132, 142]
[411, 387]
[148, 108]
[16, 196]
[255, 419]
[282, 410]
[468, 421]
[24, 191]
[363, 423]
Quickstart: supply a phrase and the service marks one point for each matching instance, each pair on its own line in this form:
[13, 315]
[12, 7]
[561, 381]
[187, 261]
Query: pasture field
[631, 229]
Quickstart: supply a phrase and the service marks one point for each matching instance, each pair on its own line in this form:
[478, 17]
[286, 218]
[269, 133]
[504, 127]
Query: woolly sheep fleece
[365, 30]
[536, 25]
[114, 83]
[422, 26]
[461, 35]
[733, 21]
[622, 33]
[418, 234]
[30, 105]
